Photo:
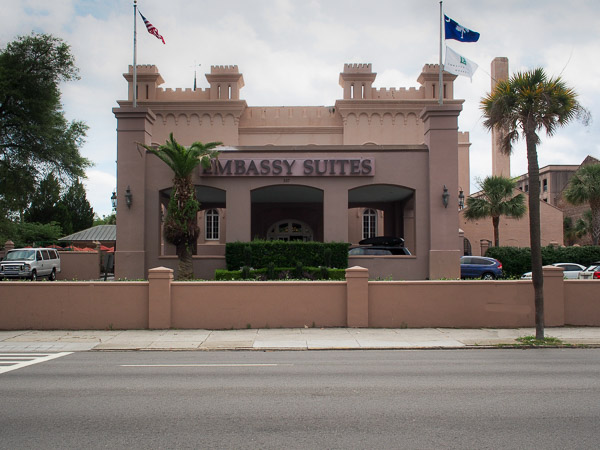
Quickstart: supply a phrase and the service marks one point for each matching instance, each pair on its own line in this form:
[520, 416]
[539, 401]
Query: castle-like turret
[357, 81]
[225, 82]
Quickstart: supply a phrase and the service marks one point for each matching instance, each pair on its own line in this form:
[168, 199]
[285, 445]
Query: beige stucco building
[375, 163]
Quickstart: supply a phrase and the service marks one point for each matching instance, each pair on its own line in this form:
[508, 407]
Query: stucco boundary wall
[162, 303]
[79, 265]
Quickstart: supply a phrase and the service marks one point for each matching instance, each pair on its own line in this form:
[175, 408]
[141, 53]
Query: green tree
[583, 226]
[111, 219]
[79, 213]
[496, 199]
[520, 107]
[584, 187]
[569, 231]
[35, 137]
[44, 202]
[181, 228]
[23, 233]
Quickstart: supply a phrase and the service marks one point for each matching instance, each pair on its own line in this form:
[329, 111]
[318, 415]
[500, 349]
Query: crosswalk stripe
[19, 360]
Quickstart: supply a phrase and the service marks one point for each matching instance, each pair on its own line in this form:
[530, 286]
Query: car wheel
[52, 276]
[34, 276]
[488, 276]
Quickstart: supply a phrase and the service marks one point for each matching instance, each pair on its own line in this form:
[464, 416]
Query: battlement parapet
[431, 68]
[358, 68]
[179, 94]
[411, 93]
[224, 69]
[144, 68]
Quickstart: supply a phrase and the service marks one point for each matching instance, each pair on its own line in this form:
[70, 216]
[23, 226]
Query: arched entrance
[275, 211]
[290, 230]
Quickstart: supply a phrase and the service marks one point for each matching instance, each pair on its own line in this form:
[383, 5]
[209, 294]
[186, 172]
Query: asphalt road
[548, 398]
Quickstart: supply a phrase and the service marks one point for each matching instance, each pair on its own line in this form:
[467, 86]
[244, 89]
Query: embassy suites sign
[338, 167]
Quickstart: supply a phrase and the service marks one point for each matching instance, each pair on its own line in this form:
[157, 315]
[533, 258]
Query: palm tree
[519, 108]
[181, 228]
[584, 224]
[584, 187]
[496, 200]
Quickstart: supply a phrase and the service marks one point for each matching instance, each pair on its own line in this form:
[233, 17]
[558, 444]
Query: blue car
[480, 267]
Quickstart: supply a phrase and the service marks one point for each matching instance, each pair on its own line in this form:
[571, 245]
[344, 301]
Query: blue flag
[458, 32]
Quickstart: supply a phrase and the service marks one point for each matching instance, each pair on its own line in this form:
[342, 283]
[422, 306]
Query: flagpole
[440, 87]
[134, 54]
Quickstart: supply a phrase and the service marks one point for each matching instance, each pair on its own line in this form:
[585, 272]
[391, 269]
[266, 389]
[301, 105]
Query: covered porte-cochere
[296, 213]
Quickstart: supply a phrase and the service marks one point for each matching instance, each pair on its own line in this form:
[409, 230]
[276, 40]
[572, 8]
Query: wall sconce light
[113, 200]
[461, 199]
[128, 197]
[445, 197]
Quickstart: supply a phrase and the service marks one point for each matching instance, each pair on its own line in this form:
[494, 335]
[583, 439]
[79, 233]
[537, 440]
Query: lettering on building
[339, 167]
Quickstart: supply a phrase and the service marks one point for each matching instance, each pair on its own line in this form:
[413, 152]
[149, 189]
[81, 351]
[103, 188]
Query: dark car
[480, 267]
[380, 245]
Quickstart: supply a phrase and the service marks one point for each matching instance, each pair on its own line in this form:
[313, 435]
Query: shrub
[285, 254]
[281, 273]
[517, 261]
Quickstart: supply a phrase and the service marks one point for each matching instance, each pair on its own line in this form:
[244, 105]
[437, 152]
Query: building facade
[376, 163]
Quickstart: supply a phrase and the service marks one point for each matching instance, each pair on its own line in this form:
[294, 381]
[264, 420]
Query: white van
[31, 263]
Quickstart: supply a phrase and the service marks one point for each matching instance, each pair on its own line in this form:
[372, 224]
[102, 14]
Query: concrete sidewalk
[281, 339]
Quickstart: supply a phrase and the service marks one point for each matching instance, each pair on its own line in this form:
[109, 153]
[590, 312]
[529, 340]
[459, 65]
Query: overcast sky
[292, 51]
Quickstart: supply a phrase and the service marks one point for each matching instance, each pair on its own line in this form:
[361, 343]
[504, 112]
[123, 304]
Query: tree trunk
[533, 172]
[496, 224]
[185, 270]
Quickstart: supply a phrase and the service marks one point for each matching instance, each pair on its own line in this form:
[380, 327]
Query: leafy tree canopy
[35, 136]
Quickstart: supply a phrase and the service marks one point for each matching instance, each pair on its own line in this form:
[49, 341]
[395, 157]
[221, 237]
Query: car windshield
[20, 255]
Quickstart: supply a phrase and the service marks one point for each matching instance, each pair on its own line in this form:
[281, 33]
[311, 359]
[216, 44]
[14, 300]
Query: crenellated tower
[225, 82]
[357, 81]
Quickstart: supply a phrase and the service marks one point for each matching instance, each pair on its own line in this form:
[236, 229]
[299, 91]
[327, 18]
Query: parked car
[380, 245]
[591, 273]
[31, 263]
[480, 267]
[570, 271]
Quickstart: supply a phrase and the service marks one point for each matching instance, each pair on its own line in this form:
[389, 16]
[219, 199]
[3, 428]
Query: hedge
[258, 254]
[281, 273]
[516, 261]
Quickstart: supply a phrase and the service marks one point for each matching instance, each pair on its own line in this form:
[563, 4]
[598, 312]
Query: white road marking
[204, 365]
[14, 361]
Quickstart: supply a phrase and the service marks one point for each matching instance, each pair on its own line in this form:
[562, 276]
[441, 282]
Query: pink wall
[79, 266]
[357, 302]
[73, 305]
[268, 304]
[582, 302]
[462, 304]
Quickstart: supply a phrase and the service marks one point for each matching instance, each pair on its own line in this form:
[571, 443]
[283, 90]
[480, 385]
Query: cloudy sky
[278, 44]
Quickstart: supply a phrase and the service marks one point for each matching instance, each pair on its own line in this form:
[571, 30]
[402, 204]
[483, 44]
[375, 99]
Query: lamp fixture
[128, 197]
[113, 200]
[461, 199]
[445, 197]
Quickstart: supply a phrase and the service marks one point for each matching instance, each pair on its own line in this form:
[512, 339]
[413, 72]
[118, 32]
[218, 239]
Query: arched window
[467, 247]
[290, 230]
[369, 223]
[211, 219]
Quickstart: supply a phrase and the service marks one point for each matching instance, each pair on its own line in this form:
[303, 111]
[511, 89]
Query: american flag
[151, 28]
